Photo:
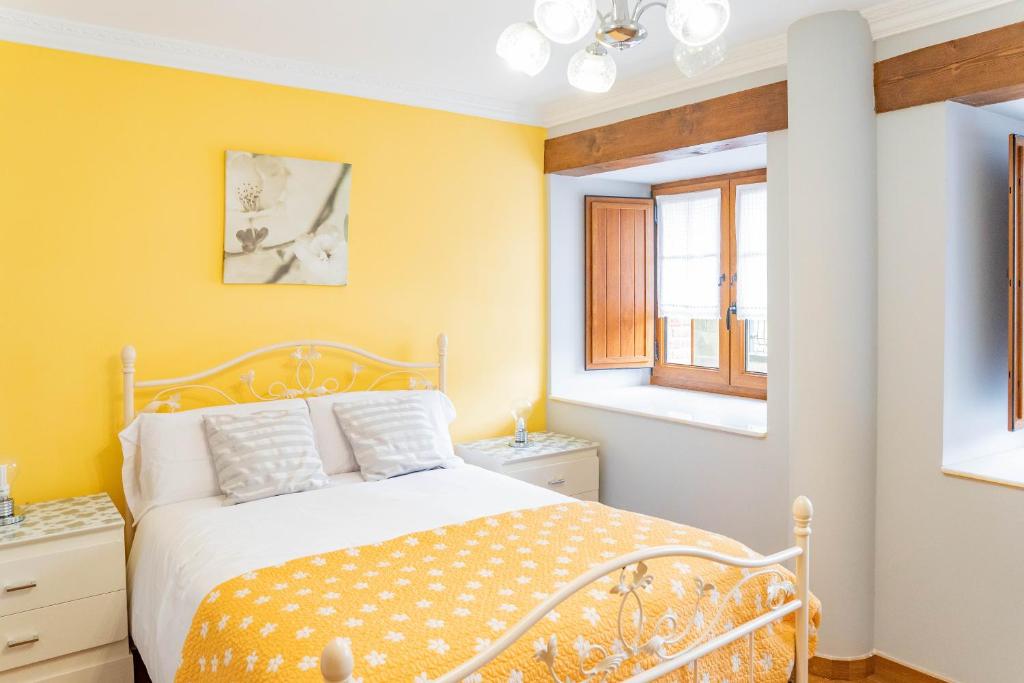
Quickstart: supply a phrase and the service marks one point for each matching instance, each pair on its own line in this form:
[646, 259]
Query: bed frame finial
[128, 374]
[442, 362]
[336, 663]
[803, 511]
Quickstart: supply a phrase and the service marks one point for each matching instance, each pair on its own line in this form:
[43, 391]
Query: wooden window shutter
[620, 283]
[1015, 318]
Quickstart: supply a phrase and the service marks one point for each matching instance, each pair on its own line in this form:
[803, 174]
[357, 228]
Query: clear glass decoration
[521, 411]
[697, 22]
[565, 21]
[8, 472]
[693, 61]
[592, 69]
[524, 48]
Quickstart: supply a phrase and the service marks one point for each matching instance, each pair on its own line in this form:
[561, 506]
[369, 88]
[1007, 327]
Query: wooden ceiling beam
[736, 120]
[984, 68]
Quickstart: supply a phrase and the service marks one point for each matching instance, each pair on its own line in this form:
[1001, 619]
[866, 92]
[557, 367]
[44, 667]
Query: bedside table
[555, 461]
[63, 605]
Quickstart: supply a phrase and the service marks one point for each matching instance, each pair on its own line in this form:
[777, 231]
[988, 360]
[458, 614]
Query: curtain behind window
[752, 251]
[690, 259]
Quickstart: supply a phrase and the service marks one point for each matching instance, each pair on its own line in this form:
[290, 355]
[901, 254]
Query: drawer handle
[20, 587]
[556, 482]
[24, 641]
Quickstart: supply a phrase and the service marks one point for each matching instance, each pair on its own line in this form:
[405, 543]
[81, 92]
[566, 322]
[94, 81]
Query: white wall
[950, 552]
[566, 254]
[732, 484]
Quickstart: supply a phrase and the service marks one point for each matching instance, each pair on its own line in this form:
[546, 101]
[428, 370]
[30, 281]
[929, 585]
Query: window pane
[678, 341]
[757, 346]
[752, 251]
[691, 342]
[689, 254]
[705, 343]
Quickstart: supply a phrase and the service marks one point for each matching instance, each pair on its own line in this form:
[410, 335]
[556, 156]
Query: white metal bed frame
[674, 644]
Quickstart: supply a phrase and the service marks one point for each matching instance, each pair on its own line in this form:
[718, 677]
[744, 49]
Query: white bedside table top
[542, 444]
[65, 517]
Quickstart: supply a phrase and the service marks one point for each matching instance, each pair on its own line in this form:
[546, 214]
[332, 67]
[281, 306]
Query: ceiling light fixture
[564, 21]
[697, 25]
[524, 48]
[592, 69]
[696, 60]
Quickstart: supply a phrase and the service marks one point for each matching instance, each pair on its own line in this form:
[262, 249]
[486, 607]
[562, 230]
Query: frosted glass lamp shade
[693, 61]
[524, 48]
[564, 21]
[592, 69]
[697, 22]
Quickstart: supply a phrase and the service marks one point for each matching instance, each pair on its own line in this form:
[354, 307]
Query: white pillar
[833, 311]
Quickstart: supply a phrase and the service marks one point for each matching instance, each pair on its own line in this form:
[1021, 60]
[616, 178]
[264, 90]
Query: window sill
[1005, 469]
[743, 416]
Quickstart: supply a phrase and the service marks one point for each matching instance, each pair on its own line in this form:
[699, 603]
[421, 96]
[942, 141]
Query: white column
[833, 311]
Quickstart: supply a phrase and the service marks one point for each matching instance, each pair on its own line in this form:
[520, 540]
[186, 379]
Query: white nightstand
[555, 461]
[63, 606]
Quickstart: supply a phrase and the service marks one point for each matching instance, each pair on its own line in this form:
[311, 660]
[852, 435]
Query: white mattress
[182, 551]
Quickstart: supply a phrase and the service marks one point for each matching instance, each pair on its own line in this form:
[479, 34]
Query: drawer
[569, 476]
[587, 495]
[62, 629]
[54, 576]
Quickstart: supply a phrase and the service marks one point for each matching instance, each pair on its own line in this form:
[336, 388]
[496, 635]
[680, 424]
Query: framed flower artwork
[286, 220]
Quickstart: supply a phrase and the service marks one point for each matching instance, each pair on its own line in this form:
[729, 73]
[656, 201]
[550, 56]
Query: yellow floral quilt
[416, 606]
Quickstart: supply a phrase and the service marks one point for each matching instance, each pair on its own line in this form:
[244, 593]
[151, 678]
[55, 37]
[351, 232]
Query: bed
[445, 575]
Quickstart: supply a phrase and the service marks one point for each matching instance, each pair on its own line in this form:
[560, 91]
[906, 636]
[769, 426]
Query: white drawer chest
[555, 461]
[63, 606]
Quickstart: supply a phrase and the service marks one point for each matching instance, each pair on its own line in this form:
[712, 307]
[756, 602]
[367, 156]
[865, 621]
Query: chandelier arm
[641, 8]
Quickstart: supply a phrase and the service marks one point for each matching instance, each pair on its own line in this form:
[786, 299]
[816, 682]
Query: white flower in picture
[286, 220]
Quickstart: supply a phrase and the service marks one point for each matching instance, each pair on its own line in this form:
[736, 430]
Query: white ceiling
[728, 161]
[1014, 109]
[438, 54]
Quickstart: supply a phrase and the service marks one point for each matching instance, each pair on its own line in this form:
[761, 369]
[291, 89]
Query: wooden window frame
[731, 377]
[1015, 317]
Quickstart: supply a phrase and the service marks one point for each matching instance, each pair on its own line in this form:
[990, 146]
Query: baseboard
[842, 669]
[859, 669]
[901, 672]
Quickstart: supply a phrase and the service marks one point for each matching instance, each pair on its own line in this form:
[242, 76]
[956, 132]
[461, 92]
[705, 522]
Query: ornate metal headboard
[305, 354]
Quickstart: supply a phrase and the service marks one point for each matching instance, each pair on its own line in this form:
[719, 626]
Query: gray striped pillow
[397, 433]
[264, 454]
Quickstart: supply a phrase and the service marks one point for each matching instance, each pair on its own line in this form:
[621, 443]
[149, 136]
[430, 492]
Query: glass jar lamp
[521, 411]
[8, 516]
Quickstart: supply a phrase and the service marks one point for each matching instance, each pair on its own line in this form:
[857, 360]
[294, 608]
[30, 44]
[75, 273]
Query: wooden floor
[141, 676]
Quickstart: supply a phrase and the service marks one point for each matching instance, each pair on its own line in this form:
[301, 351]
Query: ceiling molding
[103, 41]
[899, 16]
[886, 19]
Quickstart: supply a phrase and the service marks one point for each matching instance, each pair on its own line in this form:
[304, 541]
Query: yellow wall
[111, 207]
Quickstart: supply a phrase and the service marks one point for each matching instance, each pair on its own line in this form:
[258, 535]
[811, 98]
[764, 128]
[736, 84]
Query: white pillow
[397, 432]
[167, 459]
[264, 454]
[335, 451]
[334, 447]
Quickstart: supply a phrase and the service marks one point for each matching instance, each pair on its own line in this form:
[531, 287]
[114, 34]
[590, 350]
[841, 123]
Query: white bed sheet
[184, 550]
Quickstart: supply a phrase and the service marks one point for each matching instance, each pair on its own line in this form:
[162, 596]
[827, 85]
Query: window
[712, 284]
